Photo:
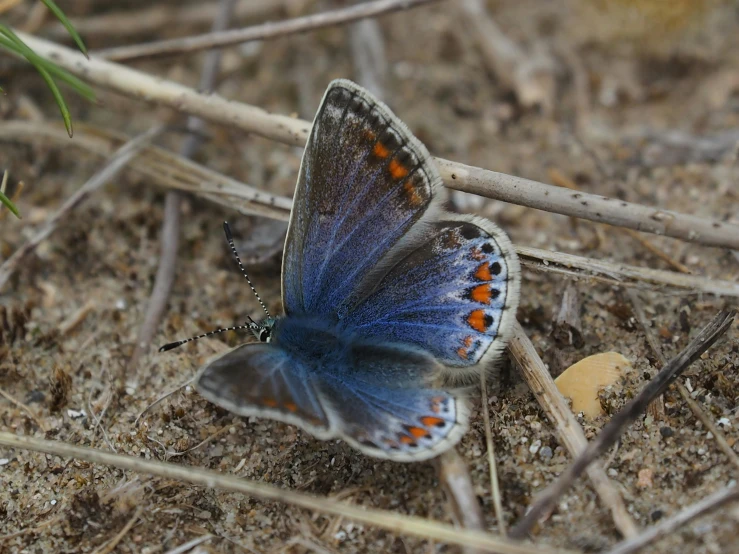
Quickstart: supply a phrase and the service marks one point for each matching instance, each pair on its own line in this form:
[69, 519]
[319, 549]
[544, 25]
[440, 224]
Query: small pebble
[545, 453]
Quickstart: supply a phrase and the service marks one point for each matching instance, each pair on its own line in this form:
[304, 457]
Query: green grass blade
[67, 25]
[79, 86]
[5, 200]
[9, 40]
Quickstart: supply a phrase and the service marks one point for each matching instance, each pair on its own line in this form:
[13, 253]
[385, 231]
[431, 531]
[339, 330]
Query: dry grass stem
[618, 423]
[568, 429]
[671, 524]
[458, 176]
[531, 76]
[394, 522]
[116, 163]
[455, 477]
[492, 466]
[190, 545]
[623, 274]
[167, 169]
[265, 31]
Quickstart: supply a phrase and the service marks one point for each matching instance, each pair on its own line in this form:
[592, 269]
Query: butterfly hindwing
[364, 184]
[454, 295]
[384, 401]
[264, 380]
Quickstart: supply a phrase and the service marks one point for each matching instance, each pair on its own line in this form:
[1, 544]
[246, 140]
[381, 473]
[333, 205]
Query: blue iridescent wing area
[455, 295]
[364, 184]
[383, 401]
[264, 380]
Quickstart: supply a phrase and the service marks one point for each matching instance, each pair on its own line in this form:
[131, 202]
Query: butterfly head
[263, 329]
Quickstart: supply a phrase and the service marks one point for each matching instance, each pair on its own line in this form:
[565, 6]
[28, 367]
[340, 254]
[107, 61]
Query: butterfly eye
[265, 335]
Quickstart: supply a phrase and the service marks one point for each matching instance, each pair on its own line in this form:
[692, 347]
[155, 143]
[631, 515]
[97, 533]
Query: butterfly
[389, 301]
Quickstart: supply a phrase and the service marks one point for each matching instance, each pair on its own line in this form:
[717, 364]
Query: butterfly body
[388, 300]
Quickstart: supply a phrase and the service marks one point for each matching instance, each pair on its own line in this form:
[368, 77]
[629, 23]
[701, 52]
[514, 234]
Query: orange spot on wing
[413, 197]
[397, 169]
[430, 421]
[419, 432]
[462, 352]
[477, 321]
[269, 402]
[477, 254]
[481, 294]
[380, 151]
[291, 407]
[468, 341]
[483, 272]
[405, 439]
[369, 135]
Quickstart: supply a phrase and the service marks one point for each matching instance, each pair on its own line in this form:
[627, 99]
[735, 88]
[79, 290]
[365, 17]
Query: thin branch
[151, 19]
[116, 163]
[708, 423]
[571, 435]
[167, 169]
[670, 525]
[618, 423]
[264, 31]
[394, 522]
[171, 225]
[293, 131]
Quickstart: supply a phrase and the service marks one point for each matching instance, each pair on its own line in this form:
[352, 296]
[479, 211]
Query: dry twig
[570, 433]
[394, 522]
[687, 398]
[131, 22]
[458, 176]
[670, 525]
[616, 426]
[455, 476]
[265, 31]
[171, 225]
[169, 170]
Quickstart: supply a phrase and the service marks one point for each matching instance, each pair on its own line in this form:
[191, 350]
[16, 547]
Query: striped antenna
[170, 346]
[230, 239]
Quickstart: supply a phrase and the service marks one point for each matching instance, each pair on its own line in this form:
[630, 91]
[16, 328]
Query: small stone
[645, 479]
[656, 515]
[535, 446]
[666, 431]
[545, 453]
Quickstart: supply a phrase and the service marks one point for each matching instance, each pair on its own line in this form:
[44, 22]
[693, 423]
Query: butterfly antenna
[230, 239]
[172, 345]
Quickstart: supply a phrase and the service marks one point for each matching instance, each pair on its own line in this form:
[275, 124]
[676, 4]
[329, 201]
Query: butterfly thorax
[309, 338]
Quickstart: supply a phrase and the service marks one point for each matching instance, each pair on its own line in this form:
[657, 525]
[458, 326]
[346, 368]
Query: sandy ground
[106, 257]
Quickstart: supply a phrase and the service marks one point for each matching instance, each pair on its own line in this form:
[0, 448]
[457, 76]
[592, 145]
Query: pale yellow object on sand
[582, 381]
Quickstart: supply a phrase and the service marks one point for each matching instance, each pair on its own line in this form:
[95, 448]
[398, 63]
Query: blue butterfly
[388, 299]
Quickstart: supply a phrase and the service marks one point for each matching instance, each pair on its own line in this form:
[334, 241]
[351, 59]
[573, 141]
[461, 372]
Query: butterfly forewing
[364, 182]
